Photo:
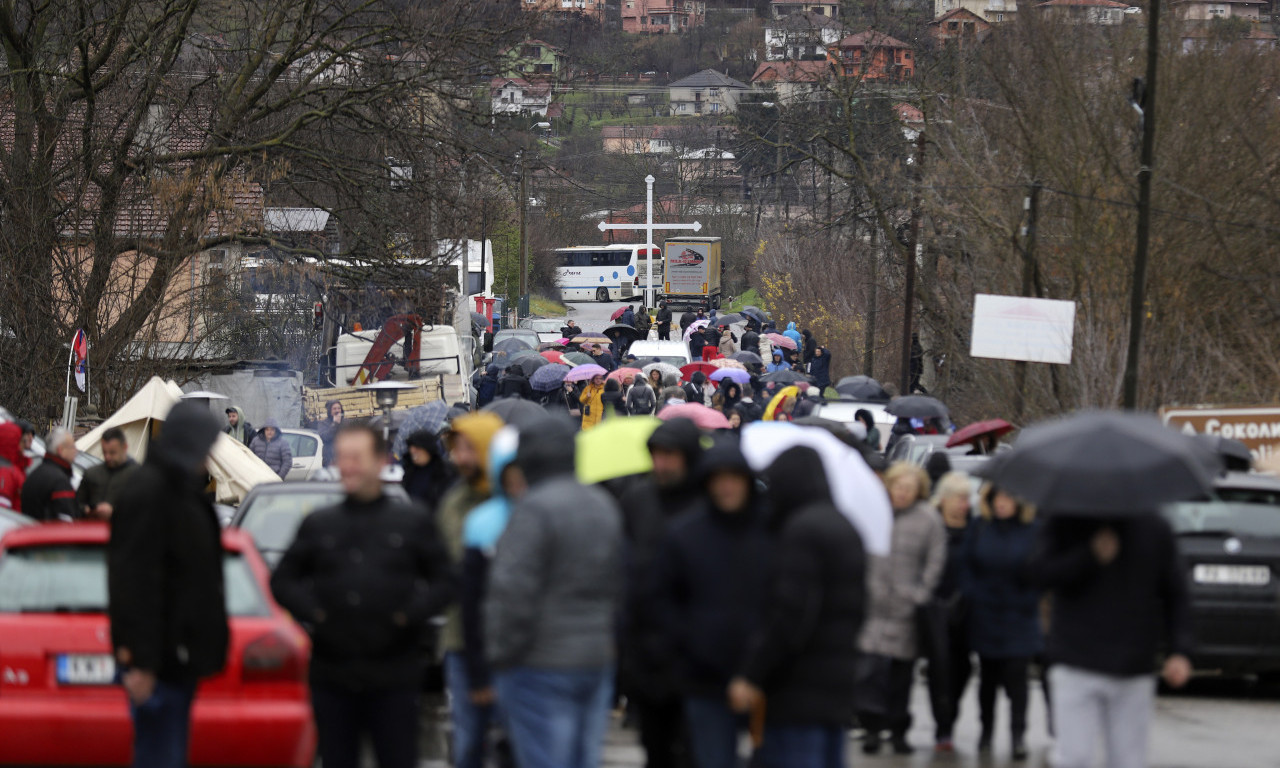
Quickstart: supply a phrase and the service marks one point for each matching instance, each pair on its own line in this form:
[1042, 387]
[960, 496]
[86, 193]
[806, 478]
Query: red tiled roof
[954, 12]
[792, 71]
[873, 39]
[1082, 4]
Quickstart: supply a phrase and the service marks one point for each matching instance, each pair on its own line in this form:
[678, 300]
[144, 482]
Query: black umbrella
[747, 357]
[511, 345]
[862, 388]
[531, 363]
[783, 377]
[917, 407]
[1103, 464]
[520, 413]
[731, 319]
[755, 312]
[622, 333]
[1234, 455]
[479, 320]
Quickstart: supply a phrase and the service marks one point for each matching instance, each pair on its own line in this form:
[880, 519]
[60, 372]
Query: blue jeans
[802, 746]
[470, 723]
[162, 725]
[714, 730]
[556, 718]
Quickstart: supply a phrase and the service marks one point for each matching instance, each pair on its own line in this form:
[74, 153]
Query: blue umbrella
[732, 374]
[429, 417]
[549, 378]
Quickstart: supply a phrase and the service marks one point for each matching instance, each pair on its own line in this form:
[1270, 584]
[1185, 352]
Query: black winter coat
[686, 320]
[1004, 607]
[751, 342]
[167, 607]
[47, 494]
[664, 317]
[805, 654]
[696, 342]
[820, 370]
[1116, 618]
[715, 568]
[366, 578]
[515, 385]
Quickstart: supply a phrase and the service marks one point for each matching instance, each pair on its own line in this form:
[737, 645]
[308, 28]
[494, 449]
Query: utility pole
[909, 299]
[1031, 205]
[522, 309]
[1138, 299]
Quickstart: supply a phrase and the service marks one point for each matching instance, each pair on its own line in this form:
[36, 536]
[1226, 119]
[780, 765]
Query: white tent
[235, 469]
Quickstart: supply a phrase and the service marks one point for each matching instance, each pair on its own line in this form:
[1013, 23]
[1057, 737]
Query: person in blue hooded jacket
[480, 533]
[794, 335]
[778, 364]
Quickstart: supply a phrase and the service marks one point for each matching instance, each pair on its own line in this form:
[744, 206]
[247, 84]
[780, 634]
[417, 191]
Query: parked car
[272, 512]
[308, 453]
[843, 411]
[531, 338]
[1248, 487]
[547, 328]
[58, 701]
[673, 352]
[1231, 550]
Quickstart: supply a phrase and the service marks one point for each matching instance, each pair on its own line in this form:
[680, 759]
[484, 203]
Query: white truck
[692, 272]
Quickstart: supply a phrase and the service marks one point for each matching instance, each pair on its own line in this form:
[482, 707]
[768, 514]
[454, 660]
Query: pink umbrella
[695, 327]
[701, 415]
[585, 373]
[617, 313]
[778, 340]
[622, 374]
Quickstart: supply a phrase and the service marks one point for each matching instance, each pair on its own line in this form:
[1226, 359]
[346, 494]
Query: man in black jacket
[664, 322]
[686, 320]
[100, 484]
[515, 384]
[1120, 596]
[167, 609]
[645, 670]
[696, 390]
[715, 569]
[367, 576]
[47, 494]
[801, 660]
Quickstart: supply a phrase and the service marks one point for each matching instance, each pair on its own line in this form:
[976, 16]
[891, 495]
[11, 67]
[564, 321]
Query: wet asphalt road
[1213, 724]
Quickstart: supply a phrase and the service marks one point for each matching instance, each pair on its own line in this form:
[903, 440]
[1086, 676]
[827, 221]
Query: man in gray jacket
[554, 589]
[273, 449]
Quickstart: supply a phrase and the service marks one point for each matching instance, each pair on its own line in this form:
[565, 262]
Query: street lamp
[386, 394]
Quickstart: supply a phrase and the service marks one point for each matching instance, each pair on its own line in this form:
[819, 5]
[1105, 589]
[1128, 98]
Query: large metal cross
[648, 226]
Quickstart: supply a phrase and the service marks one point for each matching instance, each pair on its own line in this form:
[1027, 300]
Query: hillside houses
[801, 37]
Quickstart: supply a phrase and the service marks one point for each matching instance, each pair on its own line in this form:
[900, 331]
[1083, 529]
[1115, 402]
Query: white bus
[605, 272]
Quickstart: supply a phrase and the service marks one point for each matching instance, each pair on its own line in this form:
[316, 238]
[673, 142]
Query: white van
[674, 352]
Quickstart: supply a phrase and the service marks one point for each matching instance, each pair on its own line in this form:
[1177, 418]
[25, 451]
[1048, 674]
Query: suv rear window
[73, 579]
[1224, 518]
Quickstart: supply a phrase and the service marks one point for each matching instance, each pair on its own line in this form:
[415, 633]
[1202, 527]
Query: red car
[58, 704]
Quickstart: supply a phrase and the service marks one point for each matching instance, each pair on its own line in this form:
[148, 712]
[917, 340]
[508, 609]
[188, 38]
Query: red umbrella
[617, 313]
[556, 356]
[778, 340]
[993, 428]
[687, 371]
[701, 415]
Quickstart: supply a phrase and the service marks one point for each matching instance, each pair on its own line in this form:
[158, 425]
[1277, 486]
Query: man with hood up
[480, 534]
[696, 390]
[715, 565]
[487, 389]
[238, 426]
[327, 428]
[468, 442]
[11, 475]
[164, 567]
[802, 661]
[273, 449]
[549, 616]
[647, 676]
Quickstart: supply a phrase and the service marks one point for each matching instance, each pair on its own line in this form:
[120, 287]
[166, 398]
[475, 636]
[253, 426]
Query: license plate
[86, 669]
[1244, 575]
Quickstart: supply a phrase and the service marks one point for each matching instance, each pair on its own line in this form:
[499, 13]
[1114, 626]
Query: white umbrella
[856, 490]
[696, 326]
[667, 369]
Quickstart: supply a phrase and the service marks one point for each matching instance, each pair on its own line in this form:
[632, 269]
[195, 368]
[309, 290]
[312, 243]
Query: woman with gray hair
[951, 666]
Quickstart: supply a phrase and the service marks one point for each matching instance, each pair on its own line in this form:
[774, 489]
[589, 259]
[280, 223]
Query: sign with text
[1017, 328]
[1257, 426]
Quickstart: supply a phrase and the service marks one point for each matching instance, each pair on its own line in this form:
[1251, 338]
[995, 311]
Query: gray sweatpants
[1090, 708]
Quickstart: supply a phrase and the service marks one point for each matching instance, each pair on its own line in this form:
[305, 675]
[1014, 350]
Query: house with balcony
[562, 10]
[801, 37]
[1224, 22]
[991, 11]
[873, 56]
[706, 93]
[658, 17]
[517, 96]
[959, 27]
[1106, 13]
[535, 60]
[793, 81]
[828, 8]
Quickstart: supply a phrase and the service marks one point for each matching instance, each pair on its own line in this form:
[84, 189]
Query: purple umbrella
[736, 375]
[585, 373]
[548, 378]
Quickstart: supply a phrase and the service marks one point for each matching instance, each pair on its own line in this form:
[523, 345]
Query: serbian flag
[80, 351]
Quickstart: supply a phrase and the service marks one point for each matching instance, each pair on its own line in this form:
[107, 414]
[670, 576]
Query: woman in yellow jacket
[592, 399]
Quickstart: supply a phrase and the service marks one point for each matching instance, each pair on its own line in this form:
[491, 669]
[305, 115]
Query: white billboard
[1018, 328]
